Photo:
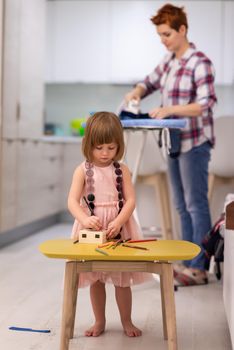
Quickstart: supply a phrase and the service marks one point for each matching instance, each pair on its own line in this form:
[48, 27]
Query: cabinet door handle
[18, 111]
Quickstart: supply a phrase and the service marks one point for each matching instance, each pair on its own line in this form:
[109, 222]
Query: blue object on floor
[29, 330]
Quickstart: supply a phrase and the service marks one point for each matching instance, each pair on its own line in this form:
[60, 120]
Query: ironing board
[83, 258]
[145, 125]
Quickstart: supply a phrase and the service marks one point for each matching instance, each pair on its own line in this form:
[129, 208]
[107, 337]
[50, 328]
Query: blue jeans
[189, 178]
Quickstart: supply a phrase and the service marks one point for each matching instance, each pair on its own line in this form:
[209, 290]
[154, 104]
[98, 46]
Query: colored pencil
[105, 244]
[101, 251]
[134, 246]
[142, 240]
[29, 329]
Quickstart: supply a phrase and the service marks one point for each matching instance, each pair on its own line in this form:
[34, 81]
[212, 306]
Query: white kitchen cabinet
[228, 44]
[10, 66]
[135, 47]
[117, 42]
[31, 181]
[39, 180]
[23, 68]
[8, 185]
[72, 157]
[77, 35]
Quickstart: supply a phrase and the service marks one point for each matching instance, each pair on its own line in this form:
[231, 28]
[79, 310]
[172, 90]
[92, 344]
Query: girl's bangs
[103, 136]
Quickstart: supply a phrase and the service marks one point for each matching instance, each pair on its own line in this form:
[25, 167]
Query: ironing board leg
[69, 304]
[168, 306]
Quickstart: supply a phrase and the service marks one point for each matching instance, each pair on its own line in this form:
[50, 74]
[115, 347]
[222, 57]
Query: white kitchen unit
[8, 185]
[30, 176]
[72, 157]
[117, 43]
[39, 180]
[23, 68]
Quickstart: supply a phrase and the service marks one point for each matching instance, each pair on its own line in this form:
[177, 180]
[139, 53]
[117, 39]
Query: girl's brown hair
[169, 14]
[101, 128]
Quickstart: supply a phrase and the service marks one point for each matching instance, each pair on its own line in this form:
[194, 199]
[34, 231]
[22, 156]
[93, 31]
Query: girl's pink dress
[106, 208]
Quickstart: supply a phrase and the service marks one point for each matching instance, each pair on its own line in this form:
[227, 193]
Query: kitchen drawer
[36, 166]
[43, 202]
[51, 150]
[8, 219]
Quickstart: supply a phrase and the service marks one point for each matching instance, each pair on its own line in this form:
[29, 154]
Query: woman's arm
[135, 94]
[204, 76]
[129, 205]
[150, 84]
[189, 110]
[74, 198]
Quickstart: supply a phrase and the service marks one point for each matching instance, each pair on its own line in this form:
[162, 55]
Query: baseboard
[11, 236]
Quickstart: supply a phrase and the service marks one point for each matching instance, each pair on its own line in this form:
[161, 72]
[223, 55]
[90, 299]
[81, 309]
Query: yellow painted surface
[163, 250]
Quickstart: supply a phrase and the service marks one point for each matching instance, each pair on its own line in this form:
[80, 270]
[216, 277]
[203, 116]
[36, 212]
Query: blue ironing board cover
[154, 123]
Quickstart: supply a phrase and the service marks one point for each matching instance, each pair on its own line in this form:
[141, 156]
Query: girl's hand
[113, 229]
[92, 222]
[159, 112]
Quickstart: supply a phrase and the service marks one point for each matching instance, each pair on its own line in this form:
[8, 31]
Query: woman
[185, 79]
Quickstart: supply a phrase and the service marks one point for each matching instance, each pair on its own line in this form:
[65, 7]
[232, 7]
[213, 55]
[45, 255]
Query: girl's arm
[129, 205]
[74, 198]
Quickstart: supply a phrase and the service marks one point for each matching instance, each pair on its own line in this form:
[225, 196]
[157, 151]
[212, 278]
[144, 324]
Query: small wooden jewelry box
[91, 236]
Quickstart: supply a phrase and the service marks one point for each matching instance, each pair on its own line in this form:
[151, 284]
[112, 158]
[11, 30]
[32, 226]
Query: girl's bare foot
[130, 330]
[96, 330]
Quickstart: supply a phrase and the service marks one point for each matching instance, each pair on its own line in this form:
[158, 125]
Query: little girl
[108, 188]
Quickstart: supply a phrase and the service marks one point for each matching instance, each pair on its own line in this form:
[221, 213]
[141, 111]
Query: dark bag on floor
[213, 244]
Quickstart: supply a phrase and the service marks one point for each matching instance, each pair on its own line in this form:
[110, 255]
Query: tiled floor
[31, 296]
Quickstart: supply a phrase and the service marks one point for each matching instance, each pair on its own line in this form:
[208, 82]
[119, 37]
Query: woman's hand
[160, 112]
[135, 94]
[132, 95]
[92, 222]
[113, 229]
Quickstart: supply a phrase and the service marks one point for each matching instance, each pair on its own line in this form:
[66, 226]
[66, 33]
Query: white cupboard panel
[8, 185]
[41, 203]
[77, 37]
[228, 43]
[125, 46]
[11, 62]
[135, 47]
[32, 60]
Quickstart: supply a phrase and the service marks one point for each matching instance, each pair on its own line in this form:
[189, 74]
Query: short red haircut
[171, 15]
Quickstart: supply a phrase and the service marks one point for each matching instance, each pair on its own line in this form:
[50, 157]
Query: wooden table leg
[163, 308]
[168, 306]
[69, 304]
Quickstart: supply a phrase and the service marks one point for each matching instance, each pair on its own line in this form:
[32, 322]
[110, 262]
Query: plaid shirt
[192, 82]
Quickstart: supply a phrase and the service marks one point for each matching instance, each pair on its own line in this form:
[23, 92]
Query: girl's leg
[98, 300]
[124, 301]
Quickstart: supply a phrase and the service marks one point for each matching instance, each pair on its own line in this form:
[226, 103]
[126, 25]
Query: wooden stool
[160, 183]
[83, 258]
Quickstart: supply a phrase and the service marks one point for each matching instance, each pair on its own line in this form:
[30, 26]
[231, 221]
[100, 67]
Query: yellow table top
[162, 250]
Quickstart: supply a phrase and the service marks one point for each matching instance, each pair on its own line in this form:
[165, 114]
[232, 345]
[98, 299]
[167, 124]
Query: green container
[76, 126]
